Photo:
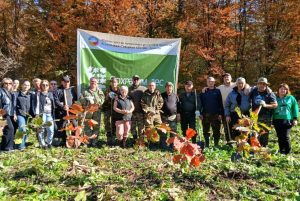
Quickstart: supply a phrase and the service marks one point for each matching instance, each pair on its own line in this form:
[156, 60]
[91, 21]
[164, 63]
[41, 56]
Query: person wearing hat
[136, 91]
[109, 122]
[92, 95]
[188, 108]
[169, 109]
[64, 97]
[262, 96]
[211, 111]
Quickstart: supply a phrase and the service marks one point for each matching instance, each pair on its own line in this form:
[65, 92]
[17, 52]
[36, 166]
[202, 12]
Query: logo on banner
[93, 41]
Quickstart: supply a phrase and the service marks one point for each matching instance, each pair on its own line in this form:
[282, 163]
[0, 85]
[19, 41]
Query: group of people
[136, 108]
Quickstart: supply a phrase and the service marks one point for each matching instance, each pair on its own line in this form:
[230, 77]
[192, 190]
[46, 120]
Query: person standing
[136, 91]
[225, 89]
[107, 107]
[93, 95]
[123, 108]
[53, 86]
[152, 103]
[261, 96]
[169, 109]
[16, 84]
[35, 91]
[64, 97]
[285, 117]
[6, 103]
[23, 110]
[47, 111]
[236, 98]
[189, 108]
[211, 111]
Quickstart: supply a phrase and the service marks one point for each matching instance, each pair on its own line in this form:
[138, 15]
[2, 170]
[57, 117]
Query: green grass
[128, 174]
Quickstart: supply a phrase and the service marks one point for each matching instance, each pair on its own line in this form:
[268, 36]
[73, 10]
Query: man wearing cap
[152, 103]
[135, 93]
[111, 92]
[188, 108]
[262, 96]
[93, 95]
[211, 111]
[64, 97]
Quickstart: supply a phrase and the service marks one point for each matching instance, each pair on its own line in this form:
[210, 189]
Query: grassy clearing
[129, 174]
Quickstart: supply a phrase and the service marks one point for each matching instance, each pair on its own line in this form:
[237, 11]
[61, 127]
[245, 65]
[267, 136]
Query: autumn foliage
[76, 135]
[246, 38]
[247, 142]
[187, 151]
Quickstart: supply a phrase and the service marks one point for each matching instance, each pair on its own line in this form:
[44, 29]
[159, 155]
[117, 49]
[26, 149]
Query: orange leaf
[77, 107]
[254, 142]
[92, 108]
[70, 117]
[170, 140]
[195, 161]
[202, 158]
[74, 111]
[84, 139]
[179, 158]
[92, 123]
[78, 131]
[190, 133]
[188, 150]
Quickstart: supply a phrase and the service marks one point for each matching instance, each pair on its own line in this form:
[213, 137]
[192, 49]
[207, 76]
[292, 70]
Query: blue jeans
[45, 137]
[21, 126]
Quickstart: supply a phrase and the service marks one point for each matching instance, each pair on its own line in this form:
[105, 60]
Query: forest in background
[249, 38]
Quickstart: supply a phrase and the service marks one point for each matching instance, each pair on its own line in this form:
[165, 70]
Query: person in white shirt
[226, 87]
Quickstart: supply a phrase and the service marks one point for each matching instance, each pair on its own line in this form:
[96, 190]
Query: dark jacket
[212, 102]
[187, 103]
[136, 93]
[170, 104]
[255, 97]
[7, 101]
[23, 104]
[123, 104]
[59, 99]
[109, 101]
[42, 98]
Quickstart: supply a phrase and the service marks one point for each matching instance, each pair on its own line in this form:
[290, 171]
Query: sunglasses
[8, 83]
[53, 84]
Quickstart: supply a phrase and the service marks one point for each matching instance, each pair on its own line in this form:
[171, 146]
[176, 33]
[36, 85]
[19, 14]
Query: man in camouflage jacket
[93, 95]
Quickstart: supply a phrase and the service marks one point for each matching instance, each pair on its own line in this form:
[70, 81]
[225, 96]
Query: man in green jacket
[93, 95]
